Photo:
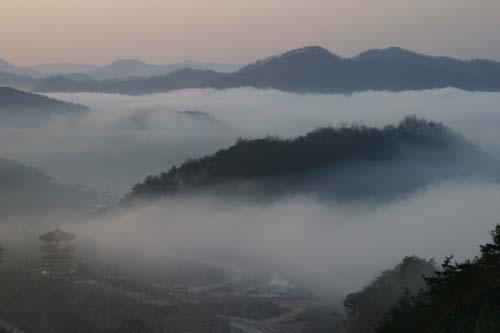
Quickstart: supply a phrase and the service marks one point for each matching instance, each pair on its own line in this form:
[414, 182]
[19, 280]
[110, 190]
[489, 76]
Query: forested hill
[422, 150]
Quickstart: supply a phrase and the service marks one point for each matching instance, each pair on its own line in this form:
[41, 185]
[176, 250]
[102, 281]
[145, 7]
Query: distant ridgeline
[309, 70]
[346, 162]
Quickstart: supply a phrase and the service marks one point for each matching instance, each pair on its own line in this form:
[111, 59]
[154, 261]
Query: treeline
[366, 307]
[462, 297]
[324, 147]
[416, 297]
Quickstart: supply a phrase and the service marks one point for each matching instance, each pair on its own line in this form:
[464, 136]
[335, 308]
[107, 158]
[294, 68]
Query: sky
[240, 31]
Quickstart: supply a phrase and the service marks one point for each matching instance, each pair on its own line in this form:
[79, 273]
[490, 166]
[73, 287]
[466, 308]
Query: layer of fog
[330, 248]
[126, 138]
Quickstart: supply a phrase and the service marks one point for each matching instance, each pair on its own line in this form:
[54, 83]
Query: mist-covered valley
[330, 230]
[148, 135]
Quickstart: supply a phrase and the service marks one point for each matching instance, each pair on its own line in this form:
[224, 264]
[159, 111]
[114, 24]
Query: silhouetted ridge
[310, 69]
[420, 141]
[15, 99]
[308, 54]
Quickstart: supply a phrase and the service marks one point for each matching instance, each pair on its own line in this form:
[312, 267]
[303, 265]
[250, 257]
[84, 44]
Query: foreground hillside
[366, 308]
[347, 162]
[311, 70]
[36, 304]
[462, 297]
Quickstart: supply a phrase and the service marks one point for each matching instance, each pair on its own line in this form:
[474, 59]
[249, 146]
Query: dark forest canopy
[311, 70]
[419, 143]
[462, 297]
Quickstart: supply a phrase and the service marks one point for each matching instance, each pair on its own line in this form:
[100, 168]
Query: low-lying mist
[126, 138]
[332, 247]
[328, 247]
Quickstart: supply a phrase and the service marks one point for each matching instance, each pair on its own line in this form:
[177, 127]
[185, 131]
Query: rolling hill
[345, 163]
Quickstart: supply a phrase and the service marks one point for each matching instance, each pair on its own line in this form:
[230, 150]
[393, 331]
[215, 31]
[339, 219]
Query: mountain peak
[308, 52]
[389, 53]
[308, 49]
[127, 62]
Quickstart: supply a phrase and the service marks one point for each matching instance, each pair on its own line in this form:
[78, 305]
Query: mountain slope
[462, 297]
[478, 67]
[347, 163]
[12, 98]
[20, 106]
[314, 70]
[367, 307]
[27, 192]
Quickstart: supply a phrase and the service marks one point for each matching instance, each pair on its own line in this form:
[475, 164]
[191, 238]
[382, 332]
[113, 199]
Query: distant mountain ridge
[27, 77]
[313, 69]
[134, 68]
[181, 79]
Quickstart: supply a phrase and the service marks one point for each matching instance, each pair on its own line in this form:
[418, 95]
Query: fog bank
[125, 138]
[330, 248]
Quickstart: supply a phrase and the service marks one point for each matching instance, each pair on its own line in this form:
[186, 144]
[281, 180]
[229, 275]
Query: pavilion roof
[57, 234]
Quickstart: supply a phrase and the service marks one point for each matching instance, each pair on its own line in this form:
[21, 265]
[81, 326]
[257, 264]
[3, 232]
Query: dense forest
[462, 297]
[430, 146]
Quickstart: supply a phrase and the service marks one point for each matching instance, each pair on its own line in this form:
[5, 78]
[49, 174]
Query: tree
[462, 297]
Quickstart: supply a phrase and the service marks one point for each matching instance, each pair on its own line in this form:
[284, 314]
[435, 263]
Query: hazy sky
[239, 31]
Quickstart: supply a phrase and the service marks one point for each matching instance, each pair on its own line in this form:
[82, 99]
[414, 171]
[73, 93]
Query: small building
[281, 287]
[57, 253]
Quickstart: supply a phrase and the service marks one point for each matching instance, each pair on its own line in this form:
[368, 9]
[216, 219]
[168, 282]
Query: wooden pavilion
[57, 253]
